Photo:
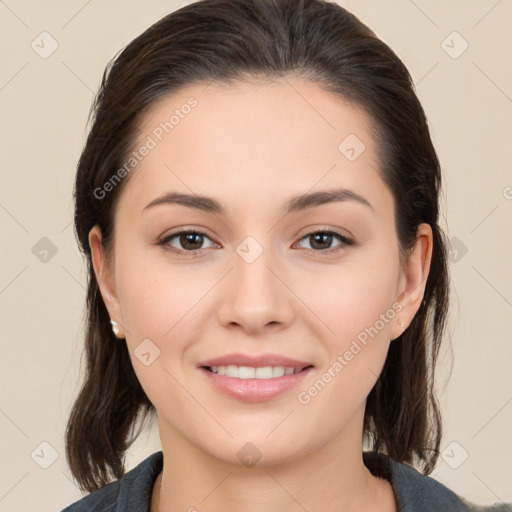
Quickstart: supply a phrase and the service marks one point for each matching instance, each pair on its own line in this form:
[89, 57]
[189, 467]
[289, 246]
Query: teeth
[265, 372]
[244, 372]
[248, 372]
[277, 371]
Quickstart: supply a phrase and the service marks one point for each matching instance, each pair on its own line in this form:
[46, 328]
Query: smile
[254, 377]
[250, 372]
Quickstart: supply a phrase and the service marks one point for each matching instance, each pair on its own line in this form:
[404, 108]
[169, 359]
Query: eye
[190, 241]
[320, 241]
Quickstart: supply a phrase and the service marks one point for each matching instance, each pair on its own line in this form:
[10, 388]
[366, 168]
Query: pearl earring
[400, 323]
[115, 328]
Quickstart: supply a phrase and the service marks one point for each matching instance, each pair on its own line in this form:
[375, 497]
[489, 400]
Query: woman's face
[278, 273]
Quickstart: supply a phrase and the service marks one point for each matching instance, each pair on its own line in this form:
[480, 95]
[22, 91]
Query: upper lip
[254, 360]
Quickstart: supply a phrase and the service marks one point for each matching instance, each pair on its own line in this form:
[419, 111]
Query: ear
[104, 271]
[413, 279]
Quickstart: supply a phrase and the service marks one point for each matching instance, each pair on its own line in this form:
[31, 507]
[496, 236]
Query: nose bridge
[255, 296]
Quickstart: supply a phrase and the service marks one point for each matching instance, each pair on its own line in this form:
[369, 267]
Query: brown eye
[187, 241]
[321, 241]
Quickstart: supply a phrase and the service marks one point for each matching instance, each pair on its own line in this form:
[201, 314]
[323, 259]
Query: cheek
[158, 305]
[353, 304]
[360, 317]
[158, 298]
[351, 299]
[161, 304]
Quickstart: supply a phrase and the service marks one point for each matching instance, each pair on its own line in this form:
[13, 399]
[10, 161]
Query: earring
[400, 323]
[115, 328]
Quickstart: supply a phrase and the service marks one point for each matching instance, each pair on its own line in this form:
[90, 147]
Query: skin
[252, 147]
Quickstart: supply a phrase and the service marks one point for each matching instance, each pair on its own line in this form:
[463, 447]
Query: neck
[331, 477]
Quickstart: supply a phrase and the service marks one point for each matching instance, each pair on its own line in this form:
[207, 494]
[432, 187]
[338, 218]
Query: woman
[257, 201]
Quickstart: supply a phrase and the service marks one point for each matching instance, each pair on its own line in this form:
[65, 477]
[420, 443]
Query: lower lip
[255, 390]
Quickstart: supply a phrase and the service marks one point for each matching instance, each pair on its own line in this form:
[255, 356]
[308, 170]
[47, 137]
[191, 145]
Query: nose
[256, 297]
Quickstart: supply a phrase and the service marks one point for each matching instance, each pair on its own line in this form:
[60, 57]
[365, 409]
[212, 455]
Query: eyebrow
[295, 204]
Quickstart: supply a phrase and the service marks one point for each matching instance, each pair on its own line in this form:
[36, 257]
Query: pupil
[321, 237]
[187, 240]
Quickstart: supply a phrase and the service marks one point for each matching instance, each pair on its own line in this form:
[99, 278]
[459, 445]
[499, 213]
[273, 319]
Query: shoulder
[130, 493]
[416, 492]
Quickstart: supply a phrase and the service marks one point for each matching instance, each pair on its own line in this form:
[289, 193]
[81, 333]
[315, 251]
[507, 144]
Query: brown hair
[228, 40]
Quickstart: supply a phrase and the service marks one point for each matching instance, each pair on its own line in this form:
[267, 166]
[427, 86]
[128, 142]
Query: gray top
[414, 491]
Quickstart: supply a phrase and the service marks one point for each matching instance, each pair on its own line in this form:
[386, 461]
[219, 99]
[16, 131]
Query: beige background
[44, 106]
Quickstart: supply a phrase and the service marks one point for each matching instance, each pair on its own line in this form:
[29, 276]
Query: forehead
[280, 138]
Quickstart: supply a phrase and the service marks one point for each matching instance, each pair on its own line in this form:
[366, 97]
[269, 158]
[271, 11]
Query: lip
[255, 360]
[255, 390]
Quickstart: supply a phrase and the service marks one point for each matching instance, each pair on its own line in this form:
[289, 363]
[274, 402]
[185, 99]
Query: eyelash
[343, 239]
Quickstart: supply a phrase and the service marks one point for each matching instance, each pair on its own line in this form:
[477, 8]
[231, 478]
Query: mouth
[254, 378]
